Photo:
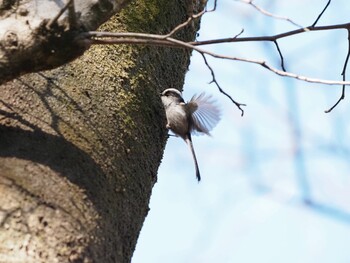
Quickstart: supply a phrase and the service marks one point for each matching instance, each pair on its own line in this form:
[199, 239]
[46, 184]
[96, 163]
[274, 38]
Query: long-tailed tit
[199, 115]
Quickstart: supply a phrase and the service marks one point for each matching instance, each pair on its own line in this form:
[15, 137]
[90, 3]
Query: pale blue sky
[258, 169]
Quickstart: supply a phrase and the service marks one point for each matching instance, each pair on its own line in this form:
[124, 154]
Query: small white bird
[199, 115]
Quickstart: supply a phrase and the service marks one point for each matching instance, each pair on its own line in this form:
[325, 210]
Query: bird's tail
[190, 144]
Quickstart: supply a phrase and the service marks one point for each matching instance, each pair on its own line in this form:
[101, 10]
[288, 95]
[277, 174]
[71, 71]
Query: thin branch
[71, 15]
[130, 40]
[214, 7]
[281, 56]
[270, 38]
[151, 39]
[184, 24]
[342, 96]
[266, 13]
[240, 33]
[54, 20]
[320, 15]
[239, 105]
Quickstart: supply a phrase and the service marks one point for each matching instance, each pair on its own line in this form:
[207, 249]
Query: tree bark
[80, 145]
[35, 36]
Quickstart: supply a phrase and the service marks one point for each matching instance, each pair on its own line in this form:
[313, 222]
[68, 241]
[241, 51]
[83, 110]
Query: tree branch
[60, 13]
[187, 22]
[266, 13]
[272, 37]
[342, 96]
[46, 31]
[162, 40]
[239, 105]
[280, 54]
[320, 15]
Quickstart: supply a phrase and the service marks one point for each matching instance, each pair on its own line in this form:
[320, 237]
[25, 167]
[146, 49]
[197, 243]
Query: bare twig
[270, 38]
[151, 39]
[71, 15]
[239, 105]
[240, 33]
[342, 96]
[320, 15]
[266, 13]
[54, 20]
[134, 41]
[214, 7]
[281, 56]
[184, 24]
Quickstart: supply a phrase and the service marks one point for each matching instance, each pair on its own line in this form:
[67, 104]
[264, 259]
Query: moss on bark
[95, 129]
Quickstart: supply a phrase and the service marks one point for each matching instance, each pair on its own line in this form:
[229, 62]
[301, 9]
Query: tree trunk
[80, 145]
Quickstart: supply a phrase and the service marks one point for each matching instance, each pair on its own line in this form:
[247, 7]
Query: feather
[205, 114]
[190, 145]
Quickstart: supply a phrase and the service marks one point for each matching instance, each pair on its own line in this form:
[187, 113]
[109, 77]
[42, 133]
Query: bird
[198, 116]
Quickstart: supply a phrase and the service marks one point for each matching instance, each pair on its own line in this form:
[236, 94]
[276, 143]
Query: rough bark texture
[32, 39]
[80, 145]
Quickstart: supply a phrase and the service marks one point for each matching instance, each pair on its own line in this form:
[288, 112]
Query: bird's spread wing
[205, 114]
